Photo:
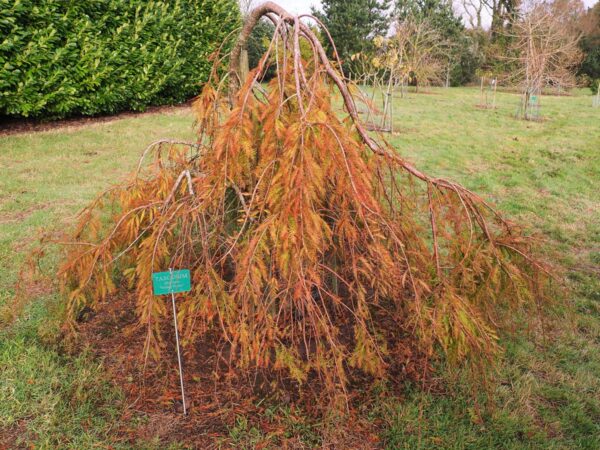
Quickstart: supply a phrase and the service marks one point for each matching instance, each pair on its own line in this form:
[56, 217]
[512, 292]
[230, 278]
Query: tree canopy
[352, 25]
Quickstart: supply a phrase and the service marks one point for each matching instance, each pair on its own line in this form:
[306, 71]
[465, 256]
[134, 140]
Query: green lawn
[545, 175]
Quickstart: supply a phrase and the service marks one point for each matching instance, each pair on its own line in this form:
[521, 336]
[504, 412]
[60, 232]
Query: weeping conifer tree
[316, 251]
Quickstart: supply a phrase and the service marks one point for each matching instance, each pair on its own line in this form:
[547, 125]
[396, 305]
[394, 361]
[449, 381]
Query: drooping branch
[274, 11]
[268, 9]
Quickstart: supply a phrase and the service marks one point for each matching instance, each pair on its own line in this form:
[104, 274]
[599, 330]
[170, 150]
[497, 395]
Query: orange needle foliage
[314, 251]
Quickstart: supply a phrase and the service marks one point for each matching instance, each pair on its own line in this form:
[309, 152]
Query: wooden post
[481, 93]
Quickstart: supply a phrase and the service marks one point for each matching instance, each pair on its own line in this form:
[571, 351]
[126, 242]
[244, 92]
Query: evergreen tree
[353, 24]
[258, 43]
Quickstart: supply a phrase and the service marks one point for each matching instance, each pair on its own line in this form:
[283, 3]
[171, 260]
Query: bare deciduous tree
[501, 12]
[474, 12]
[415, 54]
[374, 77]
[421, 52]
[546, 51]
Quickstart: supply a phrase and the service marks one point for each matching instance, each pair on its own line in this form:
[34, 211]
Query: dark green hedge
[69, 57]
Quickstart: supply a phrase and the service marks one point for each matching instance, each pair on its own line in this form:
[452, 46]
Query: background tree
[420, 51]
[474, 11]
[352, 25]
[258, 43]
[414, 54]
[589, 25]
[547, 52]
[462, 56]
[504, 14]
[373, 74]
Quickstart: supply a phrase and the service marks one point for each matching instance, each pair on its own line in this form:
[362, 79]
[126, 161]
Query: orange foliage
[310, 253]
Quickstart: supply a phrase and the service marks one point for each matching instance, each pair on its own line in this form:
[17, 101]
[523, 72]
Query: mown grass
[48, 399]
[542, 174]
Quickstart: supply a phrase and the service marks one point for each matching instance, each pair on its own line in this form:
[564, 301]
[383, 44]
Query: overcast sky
[303, 6]
[296, 6]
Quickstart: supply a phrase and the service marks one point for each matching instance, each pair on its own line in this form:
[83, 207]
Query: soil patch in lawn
[11, 125]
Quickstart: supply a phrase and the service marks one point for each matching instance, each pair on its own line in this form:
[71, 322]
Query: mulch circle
[216, 397]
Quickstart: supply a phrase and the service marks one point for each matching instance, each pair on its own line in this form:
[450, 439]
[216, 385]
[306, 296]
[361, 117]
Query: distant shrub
[61, 58]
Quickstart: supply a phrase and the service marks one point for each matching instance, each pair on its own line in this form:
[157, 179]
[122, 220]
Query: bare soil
[216, 396]
[11, 125]
[151, 387]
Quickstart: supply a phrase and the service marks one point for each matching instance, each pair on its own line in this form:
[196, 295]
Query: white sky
[303, 6]
[297, 6]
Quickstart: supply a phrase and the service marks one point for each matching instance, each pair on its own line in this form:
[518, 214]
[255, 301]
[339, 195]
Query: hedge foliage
[62, 58]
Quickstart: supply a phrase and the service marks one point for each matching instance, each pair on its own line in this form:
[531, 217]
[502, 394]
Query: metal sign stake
[178, 350]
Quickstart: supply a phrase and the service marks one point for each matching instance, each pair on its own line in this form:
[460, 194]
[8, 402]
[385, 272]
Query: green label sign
[171, 282]
[533, 98]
